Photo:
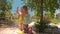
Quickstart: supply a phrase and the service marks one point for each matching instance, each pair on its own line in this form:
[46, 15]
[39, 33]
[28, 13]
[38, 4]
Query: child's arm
[17, 11]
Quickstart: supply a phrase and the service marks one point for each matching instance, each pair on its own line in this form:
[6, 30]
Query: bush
[41, 26]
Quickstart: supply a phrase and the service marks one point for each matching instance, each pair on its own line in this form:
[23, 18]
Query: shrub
[41, 26]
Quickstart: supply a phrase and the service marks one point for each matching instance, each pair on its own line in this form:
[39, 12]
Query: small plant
[41, 26]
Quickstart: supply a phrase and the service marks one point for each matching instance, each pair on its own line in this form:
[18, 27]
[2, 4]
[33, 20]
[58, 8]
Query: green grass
[55, 20]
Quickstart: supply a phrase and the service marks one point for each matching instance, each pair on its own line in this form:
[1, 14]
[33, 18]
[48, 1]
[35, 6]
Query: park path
[8, 30]
[12, 30]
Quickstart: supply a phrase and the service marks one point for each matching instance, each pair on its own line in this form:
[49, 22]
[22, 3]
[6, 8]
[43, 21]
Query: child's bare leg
[21, 27]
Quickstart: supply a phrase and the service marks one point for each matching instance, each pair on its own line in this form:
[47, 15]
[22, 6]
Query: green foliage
[41, 26]
[1, 14]
[5, 5]
[48, 5]
[8, 13]
[54, 20]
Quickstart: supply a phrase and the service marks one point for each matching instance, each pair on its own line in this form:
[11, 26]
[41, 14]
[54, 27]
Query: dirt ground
[12, 30]
[8, 30]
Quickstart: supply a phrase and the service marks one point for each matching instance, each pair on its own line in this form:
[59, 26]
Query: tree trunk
[41, 9]
[41, 15]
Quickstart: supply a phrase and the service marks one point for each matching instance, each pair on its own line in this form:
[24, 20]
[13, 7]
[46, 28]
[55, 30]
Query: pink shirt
[29, 30]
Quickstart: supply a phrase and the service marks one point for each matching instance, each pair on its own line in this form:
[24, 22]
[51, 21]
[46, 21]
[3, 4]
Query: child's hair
[25, 7]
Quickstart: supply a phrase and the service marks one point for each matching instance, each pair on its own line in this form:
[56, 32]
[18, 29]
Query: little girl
[20, 19]
[24, 17]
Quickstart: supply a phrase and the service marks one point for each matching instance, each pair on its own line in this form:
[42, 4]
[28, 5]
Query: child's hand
[17, 9]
